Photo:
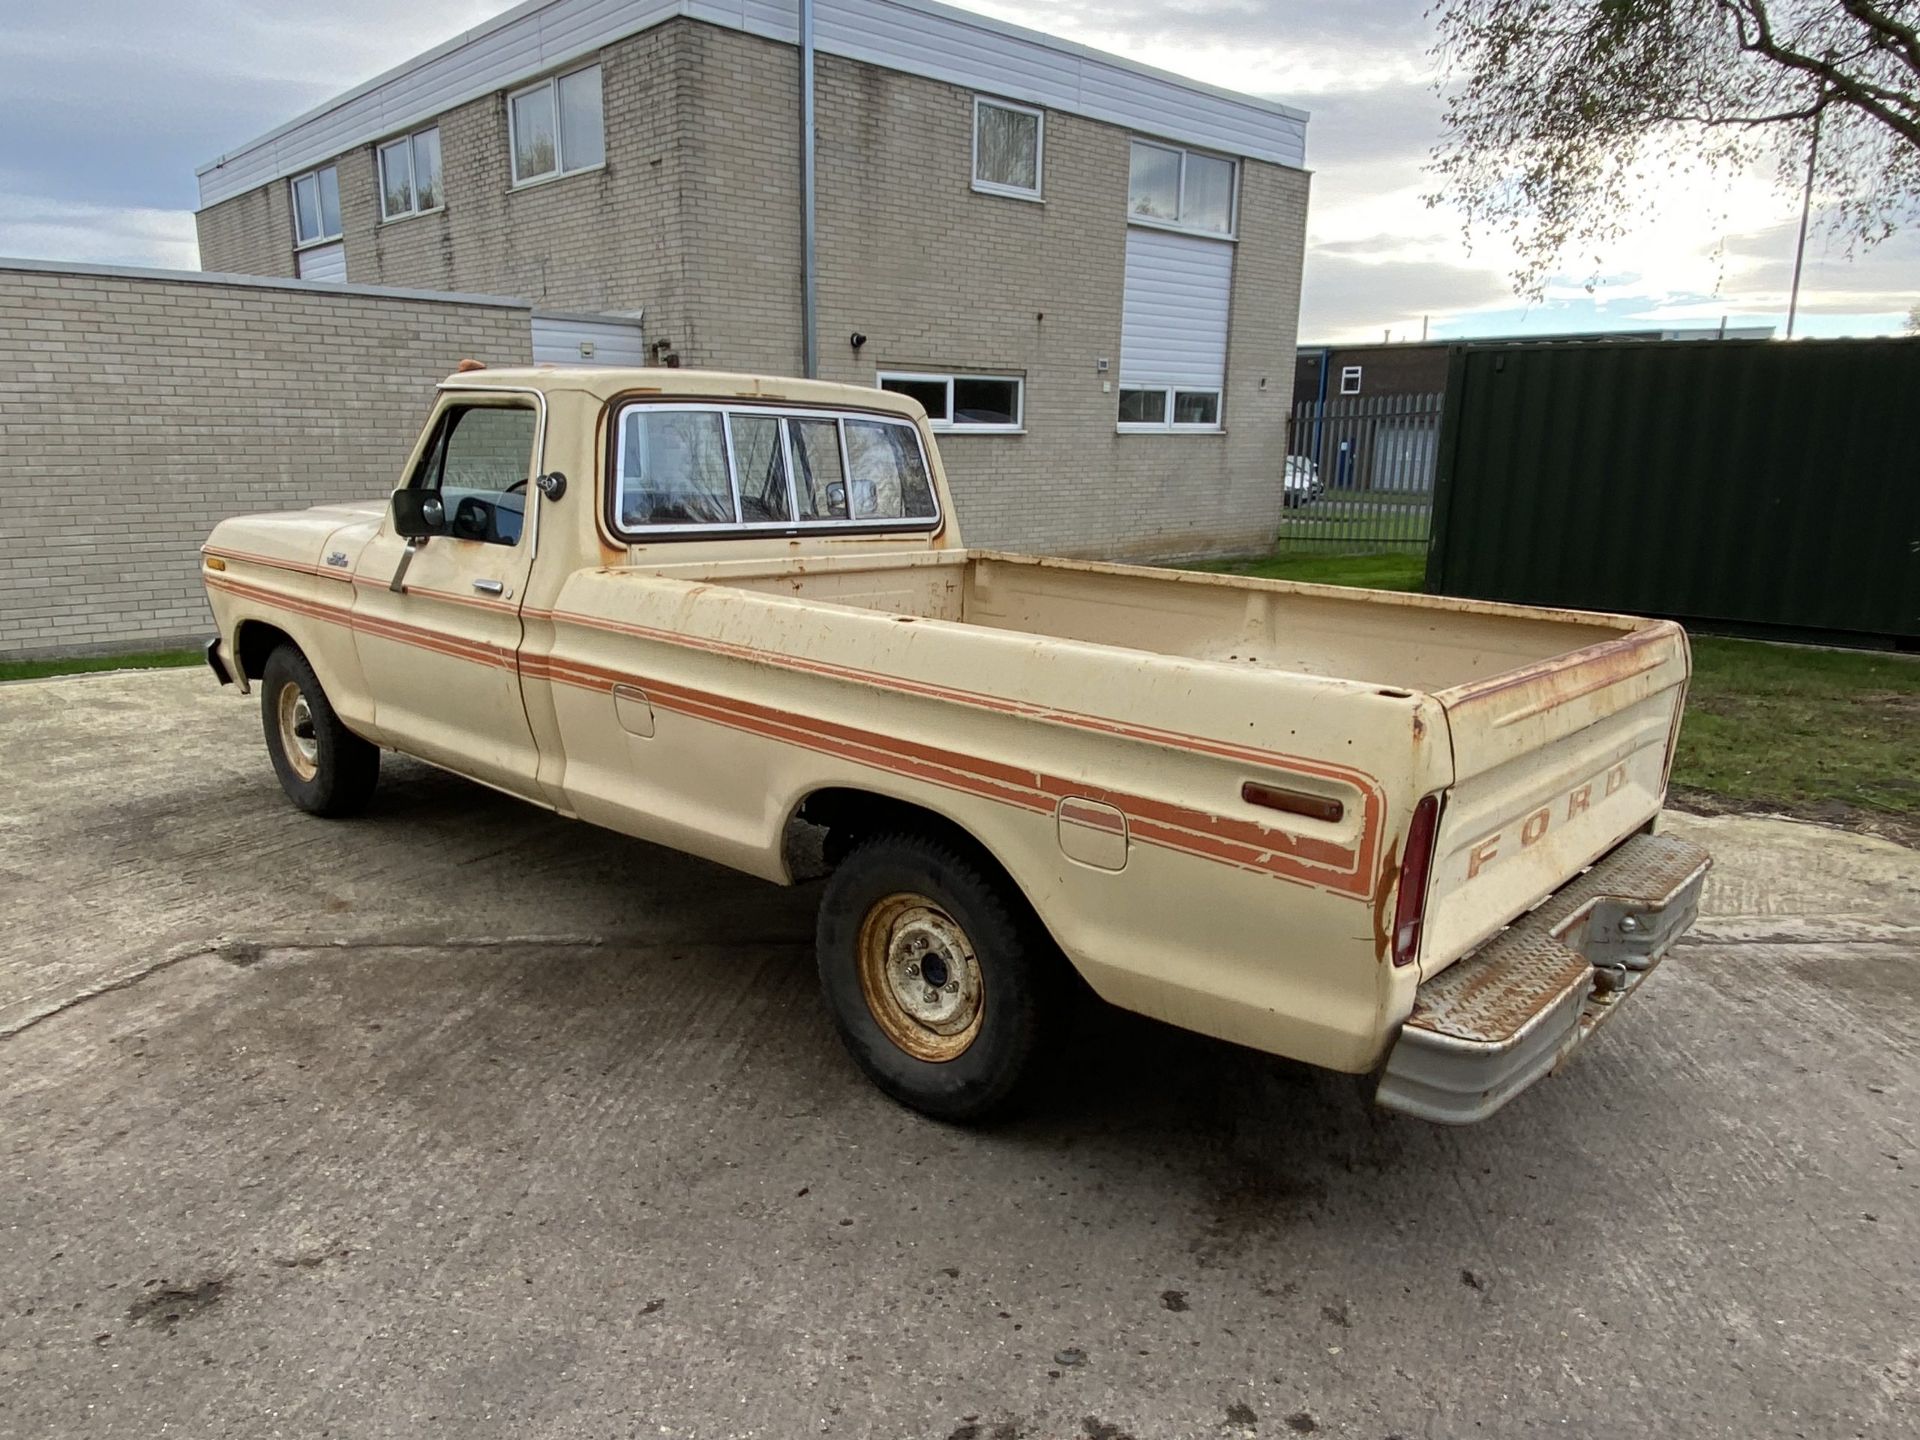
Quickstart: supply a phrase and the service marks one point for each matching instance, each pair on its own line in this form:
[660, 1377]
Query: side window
[672, 469]
[889, 478]
[761, 462]
[818, 478]
[480, 463]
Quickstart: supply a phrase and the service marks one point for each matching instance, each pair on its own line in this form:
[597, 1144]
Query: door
[323, 262]
[437, 620]
[583, 340]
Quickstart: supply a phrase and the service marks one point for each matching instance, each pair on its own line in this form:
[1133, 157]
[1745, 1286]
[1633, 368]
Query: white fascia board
[918, 37]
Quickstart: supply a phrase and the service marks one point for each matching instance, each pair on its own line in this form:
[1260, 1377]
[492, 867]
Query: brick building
[1088, 270]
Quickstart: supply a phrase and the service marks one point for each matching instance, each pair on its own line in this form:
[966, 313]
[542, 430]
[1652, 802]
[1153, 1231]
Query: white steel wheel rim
[920, 977]
[298, 739]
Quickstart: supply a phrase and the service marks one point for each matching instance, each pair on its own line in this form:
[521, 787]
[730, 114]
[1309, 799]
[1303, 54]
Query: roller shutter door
[1174, 317]
[587, 340]
[324, 262]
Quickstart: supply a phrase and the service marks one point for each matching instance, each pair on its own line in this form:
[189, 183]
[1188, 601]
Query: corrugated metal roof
[919, 37]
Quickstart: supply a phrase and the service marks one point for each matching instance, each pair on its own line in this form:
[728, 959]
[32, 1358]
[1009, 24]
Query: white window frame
[950, 426]
[1353, 373]
[1169, 426]
[1232, 231]
[410, 140]
[786, 414]
[320, 209]
[994, 187]
[552, 86]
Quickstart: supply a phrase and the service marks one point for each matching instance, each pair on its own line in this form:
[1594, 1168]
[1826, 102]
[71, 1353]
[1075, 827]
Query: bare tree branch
[1559, 112]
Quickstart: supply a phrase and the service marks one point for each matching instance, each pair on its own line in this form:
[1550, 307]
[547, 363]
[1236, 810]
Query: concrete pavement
[462, 1119]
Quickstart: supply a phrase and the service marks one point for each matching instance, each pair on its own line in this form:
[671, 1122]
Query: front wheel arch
[254, 642]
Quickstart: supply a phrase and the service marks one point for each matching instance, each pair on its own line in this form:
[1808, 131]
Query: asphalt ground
[462, 1119]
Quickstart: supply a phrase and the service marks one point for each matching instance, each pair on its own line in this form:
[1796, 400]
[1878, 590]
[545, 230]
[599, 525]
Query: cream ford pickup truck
[1389, 834]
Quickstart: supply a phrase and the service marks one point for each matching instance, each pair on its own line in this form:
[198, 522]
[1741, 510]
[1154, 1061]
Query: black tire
[324, 767]
[995, 959]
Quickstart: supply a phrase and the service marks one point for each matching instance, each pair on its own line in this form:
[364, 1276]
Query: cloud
[111, 104]
[34, 227]
[1349, 295]
[1293, 48]
[113, 101]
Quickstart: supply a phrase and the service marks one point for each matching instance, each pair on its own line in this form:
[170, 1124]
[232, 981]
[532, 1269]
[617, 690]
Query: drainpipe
[809, 276]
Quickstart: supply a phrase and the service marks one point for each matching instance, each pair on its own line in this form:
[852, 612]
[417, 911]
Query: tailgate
[1554, 764]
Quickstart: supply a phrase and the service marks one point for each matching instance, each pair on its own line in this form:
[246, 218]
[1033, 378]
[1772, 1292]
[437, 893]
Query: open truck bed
[1557, 721]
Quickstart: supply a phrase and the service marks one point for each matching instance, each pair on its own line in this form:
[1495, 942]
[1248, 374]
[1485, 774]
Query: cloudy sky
[112, 103]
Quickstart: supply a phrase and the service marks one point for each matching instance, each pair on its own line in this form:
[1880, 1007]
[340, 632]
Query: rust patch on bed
[1382, 897]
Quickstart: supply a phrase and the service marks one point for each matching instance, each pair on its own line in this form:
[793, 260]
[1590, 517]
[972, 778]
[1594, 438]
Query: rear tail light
[1410, 910]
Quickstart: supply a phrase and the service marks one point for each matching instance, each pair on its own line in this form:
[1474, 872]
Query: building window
[962, 403]
[1169, 408]
[410, 175]
[1180, 188]
[1350, 380]
[1008, 141]
[556, 126]
[316, 207]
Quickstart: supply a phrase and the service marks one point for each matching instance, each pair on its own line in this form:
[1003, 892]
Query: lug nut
[933, 997]
[953, 987]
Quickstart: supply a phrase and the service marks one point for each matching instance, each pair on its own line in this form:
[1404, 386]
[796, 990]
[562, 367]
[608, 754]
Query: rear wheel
[942, 983]
[324, 767]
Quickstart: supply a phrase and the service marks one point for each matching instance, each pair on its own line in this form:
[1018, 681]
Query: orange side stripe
[1196, 832]
[1244, 845]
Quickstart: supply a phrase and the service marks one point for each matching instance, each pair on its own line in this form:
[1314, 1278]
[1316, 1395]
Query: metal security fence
[1755, 486]
[1359, 473]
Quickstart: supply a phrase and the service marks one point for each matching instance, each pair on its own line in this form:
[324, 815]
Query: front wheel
[941, 981]
[324, 767]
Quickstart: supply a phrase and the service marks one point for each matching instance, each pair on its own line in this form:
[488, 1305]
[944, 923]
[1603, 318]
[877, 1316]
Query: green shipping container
[1757, 487]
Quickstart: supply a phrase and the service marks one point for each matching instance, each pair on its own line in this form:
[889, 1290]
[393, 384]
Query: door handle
[490, 587]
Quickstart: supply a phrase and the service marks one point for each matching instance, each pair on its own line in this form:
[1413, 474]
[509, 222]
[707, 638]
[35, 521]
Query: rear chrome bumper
[1490, 1025]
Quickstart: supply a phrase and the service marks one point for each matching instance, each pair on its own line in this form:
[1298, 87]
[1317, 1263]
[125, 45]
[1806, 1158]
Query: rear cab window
[683, 468]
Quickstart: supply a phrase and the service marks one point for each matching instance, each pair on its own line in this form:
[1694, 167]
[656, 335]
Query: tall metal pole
[1806, 208]
[809, 278]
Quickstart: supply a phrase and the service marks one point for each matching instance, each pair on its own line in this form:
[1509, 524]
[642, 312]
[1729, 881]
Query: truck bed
[1558, 723]
[1416, 643]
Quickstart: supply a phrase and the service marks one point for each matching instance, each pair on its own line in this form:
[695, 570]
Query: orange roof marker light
[467, 367]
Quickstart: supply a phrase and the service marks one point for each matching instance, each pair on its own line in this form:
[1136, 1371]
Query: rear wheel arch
[851, 815]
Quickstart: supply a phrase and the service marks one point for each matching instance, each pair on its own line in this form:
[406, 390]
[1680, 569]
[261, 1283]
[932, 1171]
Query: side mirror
[837, 499]
[418, 513]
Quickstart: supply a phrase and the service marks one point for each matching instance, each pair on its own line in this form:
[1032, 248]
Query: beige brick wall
[137, 411]
[251, 234]
[696, 218]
